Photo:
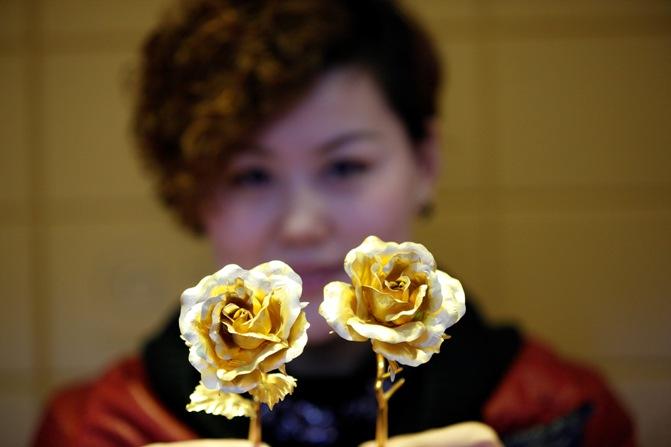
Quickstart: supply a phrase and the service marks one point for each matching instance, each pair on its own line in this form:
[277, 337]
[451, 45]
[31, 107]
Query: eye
[250, 178]
[342, 169]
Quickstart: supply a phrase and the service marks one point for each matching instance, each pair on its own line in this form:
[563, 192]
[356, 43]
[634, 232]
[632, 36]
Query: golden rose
[240, 325]
[397, 299]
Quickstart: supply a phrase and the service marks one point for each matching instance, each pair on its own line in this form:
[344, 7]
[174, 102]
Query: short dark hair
[214, 71]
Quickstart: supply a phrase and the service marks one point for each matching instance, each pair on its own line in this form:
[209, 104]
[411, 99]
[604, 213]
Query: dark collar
[452, 387]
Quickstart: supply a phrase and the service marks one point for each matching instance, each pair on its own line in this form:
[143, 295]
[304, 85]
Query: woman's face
[332, 170]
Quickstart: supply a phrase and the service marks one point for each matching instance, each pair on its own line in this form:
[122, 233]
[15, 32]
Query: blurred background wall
[555, 206]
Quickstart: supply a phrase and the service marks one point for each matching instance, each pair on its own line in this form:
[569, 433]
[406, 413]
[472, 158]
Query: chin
[319, 331]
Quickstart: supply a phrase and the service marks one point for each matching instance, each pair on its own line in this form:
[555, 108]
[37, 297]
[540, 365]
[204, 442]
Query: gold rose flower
[397, 299]
[240, 325]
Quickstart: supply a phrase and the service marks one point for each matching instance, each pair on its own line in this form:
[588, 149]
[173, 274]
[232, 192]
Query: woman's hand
[466, 434]
[208, 443]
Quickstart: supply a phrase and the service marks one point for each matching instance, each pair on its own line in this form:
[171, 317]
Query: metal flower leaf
[219, 403]
[273, 388]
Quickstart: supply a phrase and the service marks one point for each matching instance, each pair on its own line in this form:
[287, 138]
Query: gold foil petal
[337, 309]
[405, 333]
[403, 353]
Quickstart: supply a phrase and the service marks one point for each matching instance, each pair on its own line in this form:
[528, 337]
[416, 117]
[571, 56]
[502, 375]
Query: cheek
[384, 206]
[238, 233]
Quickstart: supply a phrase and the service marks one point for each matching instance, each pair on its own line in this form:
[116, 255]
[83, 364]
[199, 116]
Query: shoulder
[62, 418]
[118, 408]
[541, 387]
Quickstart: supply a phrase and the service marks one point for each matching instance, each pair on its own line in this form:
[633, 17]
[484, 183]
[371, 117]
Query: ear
[427, 155]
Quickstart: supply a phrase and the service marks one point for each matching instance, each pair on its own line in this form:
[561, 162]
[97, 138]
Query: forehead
[341, 100]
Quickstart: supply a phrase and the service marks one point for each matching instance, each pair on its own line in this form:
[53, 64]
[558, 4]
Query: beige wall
[555, 208]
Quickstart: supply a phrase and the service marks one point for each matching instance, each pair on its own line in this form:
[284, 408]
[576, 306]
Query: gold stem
[381, 425]
[382, 396]
[255, 425]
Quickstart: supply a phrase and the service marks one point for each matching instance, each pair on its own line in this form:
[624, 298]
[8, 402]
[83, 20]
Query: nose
[304, 219]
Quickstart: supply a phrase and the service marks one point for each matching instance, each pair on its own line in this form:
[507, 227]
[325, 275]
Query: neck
[335, 357]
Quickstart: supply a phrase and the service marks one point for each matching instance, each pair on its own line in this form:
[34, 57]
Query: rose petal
[359, 260]
[188, 319]
[297, 341]
[247, 342]
[381, 304]
[257, 282]
[278, 270]
[241, 383]
[403, 353]
[222, 347]
[247, 368]
[396, 265]
[361, 307]
[192, 295]
[259, 323]
[418, 298]
[208, 374]
[420, 251]
[288, 298]
[373, 246]
[404, 333]
[195, 294]
[259, 336]
[287, 289]
[454, 298]
[298, 338]
[336, 308]
[435, 324]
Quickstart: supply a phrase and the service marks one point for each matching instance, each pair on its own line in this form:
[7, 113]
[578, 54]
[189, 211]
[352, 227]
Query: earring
[426, 210]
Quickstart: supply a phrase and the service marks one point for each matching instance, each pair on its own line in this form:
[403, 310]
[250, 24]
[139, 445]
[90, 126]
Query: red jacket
[119, 409]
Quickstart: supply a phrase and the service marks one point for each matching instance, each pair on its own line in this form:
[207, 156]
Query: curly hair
[215, 71]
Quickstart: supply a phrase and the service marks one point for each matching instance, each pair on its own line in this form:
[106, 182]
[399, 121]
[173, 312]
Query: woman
[292, 130]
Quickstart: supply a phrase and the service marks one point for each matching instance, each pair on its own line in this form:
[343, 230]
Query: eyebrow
[345, 139]
[334, 143]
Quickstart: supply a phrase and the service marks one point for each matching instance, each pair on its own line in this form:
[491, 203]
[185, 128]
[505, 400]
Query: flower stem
[381, 426]
[382, 413]
[255, 425]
